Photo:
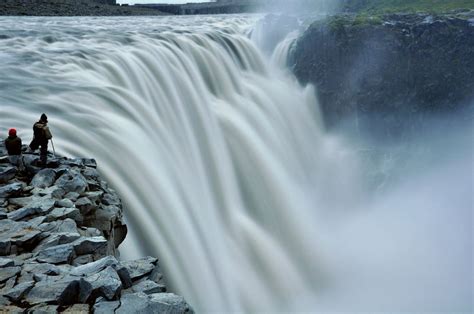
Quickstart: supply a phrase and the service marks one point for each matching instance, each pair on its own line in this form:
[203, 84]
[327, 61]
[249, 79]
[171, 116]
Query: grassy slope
[386, 6]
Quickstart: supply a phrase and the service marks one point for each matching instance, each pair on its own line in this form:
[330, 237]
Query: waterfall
[219, 155]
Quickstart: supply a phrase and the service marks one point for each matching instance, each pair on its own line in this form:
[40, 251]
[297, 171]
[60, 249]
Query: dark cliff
[389, 69]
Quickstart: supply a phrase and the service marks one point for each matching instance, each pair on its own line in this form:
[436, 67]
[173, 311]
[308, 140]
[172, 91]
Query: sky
[159, 1]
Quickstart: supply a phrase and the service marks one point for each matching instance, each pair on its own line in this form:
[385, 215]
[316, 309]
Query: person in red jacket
[13, 146]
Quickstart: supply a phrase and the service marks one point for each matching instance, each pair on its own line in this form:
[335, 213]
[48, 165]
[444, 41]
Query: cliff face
[389, 69]
[59, 232]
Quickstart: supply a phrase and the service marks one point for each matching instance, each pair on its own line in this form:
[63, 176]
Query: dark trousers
[43, 146]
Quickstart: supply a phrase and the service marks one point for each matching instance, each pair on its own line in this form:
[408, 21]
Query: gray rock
[39, 206]
[166, 303]
[6, 262]
[90, 232]
[57, 254]
[63, 213]
[9, 272]
[66, 226]
[4, 302]
[91, 174]
[22, 201]
[73, 196]
[83, 260]
[95, 267]
[7, 173]
[44, 178]
[106, 283]
[61, 292]
[43, 309]
[17, 235]
[41, 268]
[72, 181]
[95, 245]
[105, 307]
[11, 189]
[11, 309]
[67, 203]
[57, 239]
[17, 293]
[85, 205]
[141, 267]
[148, 287]
[124, 275]
[111, 199]
[3, 215]
[77, 309]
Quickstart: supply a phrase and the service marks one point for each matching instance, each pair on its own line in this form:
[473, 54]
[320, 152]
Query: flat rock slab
[10, 190]
[57, 254]
[163, 303]
[44, 178]
[141, 267]
[9, 272]
[16, 293]
[7, 173]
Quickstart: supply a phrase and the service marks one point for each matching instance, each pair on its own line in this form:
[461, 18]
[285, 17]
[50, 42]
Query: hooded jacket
[13, 145]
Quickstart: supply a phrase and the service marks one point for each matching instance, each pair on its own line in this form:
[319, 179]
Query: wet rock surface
[385, 74]
[59, 232]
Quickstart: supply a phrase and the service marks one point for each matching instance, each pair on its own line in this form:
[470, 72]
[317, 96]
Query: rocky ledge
[59, 231]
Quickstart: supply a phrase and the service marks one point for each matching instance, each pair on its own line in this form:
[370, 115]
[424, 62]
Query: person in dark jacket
[13, 146]
[41, 137]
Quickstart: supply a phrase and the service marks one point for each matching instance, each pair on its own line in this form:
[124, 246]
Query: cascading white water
[219, 155]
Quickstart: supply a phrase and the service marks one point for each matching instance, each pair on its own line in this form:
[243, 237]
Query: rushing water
[225, 169]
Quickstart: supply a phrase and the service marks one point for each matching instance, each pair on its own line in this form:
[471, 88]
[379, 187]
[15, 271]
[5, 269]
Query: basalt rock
[386, 74]
[59, 233]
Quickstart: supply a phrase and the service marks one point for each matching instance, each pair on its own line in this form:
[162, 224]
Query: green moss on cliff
[390, 6]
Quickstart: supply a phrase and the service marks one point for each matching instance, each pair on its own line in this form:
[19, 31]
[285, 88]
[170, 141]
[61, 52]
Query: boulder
[85, 205]
[65, 202]
[9, 272]
[67, 226]
[11, 189]
[56, 254]
[16, 293]
[63, 213]
[104, 307]
[72, 181]
[57, 239]
[38, 206]
[95, 267]
[141, 267]
[6, 262]
[44, 178]
[106, 283]
[148, 287]
[154, 303]
[61, 292]
[94, 245]
[7, 173]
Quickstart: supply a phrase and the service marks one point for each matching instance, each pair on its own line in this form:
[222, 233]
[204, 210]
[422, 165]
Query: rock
[104, 307]
[72, 181]
[95, 267]
[39, 206]
[6, 262]
[61, 292]
[9, 272]
[57, 254]
[94, 245]
[77, 309]
[148, 287]
[17, 236]
[84, 205]
[11, 189]
[7, 173]
[63, 213]
[83, 260]
[17, 293]
[41, 268]
[57, 239]
[44, 178]
[67, 203]
[66, 226]
[154, 303]
[141, 267]
[73, 196]
[91, 174]
[4, 302]
[106, 283]
[111, 199]
[11, 309]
